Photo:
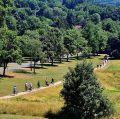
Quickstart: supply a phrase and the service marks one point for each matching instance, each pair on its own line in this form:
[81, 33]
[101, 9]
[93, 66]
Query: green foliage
[113, 48]
[11, 23]
[110, 25]
[53, 44]
[95, 18]
[108, 2]
[83, 95]
[10, 47]
[90, 34]
[5, 6]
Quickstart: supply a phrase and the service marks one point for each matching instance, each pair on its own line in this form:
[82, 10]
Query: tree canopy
[83, 95]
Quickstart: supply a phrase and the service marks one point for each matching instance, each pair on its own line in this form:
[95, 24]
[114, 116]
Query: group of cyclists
[103, 62]
[31, 86]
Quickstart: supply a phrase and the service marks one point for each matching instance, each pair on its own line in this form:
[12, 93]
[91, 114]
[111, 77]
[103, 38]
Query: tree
[52, 44]
[71, 18]
[69, 43]
[83, 95]
[95, 18]
[5, 6]
[81, 44]
[90, 34]
[33, 46]
[10, 48]
[11, 23]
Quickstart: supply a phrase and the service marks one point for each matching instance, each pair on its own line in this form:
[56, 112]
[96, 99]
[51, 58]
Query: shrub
[83, 95]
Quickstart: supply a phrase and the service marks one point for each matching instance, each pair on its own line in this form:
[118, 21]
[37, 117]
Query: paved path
[23, 65]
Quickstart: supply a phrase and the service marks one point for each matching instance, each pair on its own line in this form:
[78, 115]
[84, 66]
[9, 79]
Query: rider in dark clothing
[46, 82]
[52, 81]
[38, 84]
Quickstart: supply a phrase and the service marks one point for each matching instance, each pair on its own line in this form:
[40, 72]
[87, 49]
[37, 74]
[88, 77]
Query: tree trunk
[67, 58]
[52, 62]
[4, 68]
[34, 67]
[77, 56]
[31, 63]
[60, 60]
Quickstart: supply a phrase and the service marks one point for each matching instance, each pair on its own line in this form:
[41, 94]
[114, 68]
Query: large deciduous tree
[70, 43]
[83, 95]
[90, 34]
[52, 44]
[10, 47]
[33, 46]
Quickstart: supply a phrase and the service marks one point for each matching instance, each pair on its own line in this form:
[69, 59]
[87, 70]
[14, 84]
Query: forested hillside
[45, 29]
[108, 2]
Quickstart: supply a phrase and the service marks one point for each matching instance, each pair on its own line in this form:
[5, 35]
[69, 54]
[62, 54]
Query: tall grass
[41, 103]
[110, 79]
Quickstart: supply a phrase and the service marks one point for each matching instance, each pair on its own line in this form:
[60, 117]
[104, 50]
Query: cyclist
[14, 90]
[26, 86]
[30, 86]
[52, 81]
[38, 84]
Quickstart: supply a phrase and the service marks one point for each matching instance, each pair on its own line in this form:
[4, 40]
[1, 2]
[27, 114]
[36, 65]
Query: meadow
[19, 77]
[47, 103]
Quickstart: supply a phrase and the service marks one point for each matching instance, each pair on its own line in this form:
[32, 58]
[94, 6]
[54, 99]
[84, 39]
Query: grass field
[21, 76]
[47, 103]
[110, 79]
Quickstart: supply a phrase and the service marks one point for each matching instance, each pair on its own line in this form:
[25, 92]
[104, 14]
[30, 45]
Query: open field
[47, 103]
[110, 79]
[21, 76]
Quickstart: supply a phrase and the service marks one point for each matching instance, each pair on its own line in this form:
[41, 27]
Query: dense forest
[46, 29]
[108, 2]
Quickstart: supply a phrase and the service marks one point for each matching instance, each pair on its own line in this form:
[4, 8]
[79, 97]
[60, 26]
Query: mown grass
[21, 76]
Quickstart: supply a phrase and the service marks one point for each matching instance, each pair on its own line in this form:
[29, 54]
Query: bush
[83, 95]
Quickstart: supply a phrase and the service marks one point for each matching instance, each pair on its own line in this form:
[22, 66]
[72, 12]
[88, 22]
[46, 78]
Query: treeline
[108, 2]
[45, 29]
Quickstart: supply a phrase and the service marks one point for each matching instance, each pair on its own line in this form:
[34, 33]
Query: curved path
[22, 93]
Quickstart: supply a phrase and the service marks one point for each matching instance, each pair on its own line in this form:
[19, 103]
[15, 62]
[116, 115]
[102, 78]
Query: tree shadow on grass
[58, 62]
[50, 65]
[21, 71]
[72, 58]
[112, 58]
[36, 67]
[100, 58]
[58, 115]
[6, 76]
